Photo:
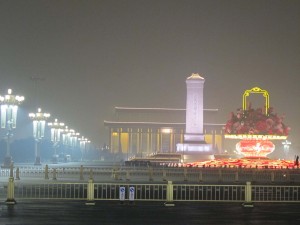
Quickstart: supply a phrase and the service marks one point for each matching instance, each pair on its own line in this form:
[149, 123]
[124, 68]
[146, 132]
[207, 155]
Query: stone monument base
[192, 152]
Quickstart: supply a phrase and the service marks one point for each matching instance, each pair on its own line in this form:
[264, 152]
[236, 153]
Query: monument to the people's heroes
[194, 146]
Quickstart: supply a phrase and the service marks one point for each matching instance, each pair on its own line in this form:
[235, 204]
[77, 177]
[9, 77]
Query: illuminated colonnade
[140, 142]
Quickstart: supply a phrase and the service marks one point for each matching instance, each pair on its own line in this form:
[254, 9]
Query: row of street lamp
[9, 107]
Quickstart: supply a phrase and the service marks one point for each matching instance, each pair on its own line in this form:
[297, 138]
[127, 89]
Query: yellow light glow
[253, 136]
[166, 130]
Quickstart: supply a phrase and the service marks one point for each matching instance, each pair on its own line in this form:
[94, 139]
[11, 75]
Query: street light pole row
[9, 107]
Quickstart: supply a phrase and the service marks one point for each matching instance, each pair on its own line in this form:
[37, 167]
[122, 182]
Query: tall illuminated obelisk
[194, 109]
[194, 145]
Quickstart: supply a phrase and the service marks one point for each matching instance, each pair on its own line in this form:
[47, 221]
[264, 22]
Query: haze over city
[94, 55]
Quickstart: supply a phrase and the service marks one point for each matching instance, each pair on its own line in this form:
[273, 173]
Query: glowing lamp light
[166, 130]
[39, 121]
[56, 129]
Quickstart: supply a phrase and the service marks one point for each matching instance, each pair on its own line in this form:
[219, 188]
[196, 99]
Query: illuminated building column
[148, 141]
[138, 141]
[120, 150]
[151, 140]
[111, 140]
[160, 141]
[181, 135]
[129, 141]
[141, 141]
[157, 141]
[171, 142]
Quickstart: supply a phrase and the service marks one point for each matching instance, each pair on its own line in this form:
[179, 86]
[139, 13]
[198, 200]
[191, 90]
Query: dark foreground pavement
[146, 213]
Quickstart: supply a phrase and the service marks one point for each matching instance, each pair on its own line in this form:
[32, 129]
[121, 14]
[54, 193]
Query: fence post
[11, 187]
[169, 201]
[90, 192]
[164, 175]
[248, 195]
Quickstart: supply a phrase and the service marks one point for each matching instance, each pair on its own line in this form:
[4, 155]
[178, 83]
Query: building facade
[141, 132]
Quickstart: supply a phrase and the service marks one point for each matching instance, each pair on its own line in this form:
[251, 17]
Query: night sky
[94, 55]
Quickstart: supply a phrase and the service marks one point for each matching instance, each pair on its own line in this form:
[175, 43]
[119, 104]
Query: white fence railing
[167, 192]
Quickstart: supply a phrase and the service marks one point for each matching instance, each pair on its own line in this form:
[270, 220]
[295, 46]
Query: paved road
[145, 213]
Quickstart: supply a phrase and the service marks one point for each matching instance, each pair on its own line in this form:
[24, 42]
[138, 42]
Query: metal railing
[74, 191]
[150, 192]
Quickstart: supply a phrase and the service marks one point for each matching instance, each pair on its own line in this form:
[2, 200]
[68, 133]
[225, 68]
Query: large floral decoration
[256, 122]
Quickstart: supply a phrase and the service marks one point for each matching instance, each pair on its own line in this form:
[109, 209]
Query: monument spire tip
[195, 76]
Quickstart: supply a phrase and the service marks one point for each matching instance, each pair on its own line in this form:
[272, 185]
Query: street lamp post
[56, 129]
[83, 145]
[39, 121]
[9, 107]
[70, 137]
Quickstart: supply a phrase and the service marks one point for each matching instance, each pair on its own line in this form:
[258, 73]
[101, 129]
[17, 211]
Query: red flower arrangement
[254, 121]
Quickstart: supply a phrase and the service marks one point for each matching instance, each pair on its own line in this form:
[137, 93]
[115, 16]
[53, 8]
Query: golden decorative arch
[256, 90]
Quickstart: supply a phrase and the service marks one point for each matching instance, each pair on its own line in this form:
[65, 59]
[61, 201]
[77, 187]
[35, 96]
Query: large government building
[141, 132]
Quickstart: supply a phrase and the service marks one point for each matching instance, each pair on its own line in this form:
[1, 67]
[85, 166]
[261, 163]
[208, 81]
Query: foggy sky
[95, 55]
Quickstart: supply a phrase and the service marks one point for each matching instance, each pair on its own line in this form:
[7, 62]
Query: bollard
[128, 175]
[272, 177]
[164, 175]
[116, 175]
[248, 195]
[90, 193]
[253, 175]
[236, 176]
[81, 173]
[113, 173]
[54, 174]
[11, 170]
[11, 192]
[18, 174]
[288, 177]
[185, 174]
[91, 174]
[169, 201]
[46, 173]
[150, 171]
[220, 179]
[200, 176]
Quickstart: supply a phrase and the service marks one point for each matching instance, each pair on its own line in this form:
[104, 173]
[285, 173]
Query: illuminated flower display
[244, 163]
[256, 127]
[255, 122]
